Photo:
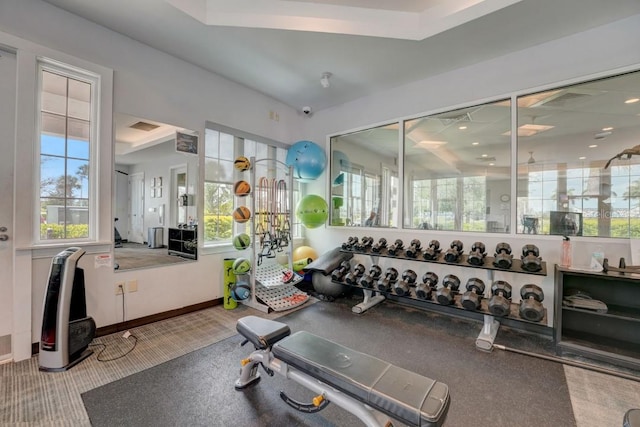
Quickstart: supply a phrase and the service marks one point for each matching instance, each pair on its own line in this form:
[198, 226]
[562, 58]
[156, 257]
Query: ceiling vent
[147, 127]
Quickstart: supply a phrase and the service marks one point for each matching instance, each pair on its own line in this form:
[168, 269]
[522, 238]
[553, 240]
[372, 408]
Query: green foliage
[218, 228]
[57, 231]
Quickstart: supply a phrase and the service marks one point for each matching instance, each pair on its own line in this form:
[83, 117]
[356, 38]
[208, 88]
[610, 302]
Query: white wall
[594, 53]
[150, 84]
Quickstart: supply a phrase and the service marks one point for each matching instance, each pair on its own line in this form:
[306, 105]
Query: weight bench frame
[371, 389]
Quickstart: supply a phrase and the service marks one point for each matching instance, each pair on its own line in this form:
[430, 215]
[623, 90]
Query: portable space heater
[66, 329]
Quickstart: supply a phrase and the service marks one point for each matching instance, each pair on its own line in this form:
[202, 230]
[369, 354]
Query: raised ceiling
[232, 38]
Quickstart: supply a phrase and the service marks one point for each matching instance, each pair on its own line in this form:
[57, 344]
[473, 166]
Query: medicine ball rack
[489, 331]
[270, 221]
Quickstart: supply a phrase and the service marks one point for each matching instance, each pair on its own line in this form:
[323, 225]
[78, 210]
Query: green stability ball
[312, 211]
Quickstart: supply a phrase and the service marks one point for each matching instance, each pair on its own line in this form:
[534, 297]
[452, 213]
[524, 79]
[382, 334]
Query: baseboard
[130, 324]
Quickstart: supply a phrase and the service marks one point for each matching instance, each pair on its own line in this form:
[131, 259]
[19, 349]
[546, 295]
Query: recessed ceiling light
[475, 143]
[593, 145]
[491, 164]
[530, 130]
[632, 100]
[485, 155]
[462, 127]
[581, 158]
[607, 128]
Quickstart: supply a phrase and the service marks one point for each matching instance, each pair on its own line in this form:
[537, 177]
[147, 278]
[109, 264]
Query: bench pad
[406, 396]
[262, 333]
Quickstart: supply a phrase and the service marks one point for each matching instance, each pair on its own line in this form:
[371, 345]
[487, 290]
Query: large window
[222, 147]
[67, 129]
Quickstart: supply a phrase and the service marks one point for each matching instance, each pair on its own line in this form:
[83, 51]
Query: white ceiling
[287, 64]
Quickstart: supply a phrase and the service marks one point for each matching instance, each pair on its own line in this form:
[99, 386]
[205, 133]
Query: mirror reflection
[155, 193]
[579, 159]
[364, 178]
[457, 170]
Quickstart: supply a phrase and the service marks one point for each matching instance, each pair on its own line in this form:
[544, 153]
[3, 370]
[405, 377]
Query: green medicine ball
[241, 241]
[241, 266]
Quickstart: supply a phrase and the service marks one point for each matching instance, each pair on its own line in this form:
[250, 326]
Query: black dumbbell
[396, 248]
[390, 276]
[531, 260]
[378, 247]
[403, 287]
[477, 254]
[414, 249]
[348, 245]
[370, 279]
[475, 291]
[429, 283]
[353, 277]
[363, 244]
[503, 257]
[453, 253]
[432, 252]
[339, 273]
[450, 286]
[500, 302]
[531, 307]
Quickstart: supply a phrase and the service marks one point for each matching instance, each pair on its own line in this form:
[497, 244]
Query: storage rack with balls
[481, 297]
[264, 208]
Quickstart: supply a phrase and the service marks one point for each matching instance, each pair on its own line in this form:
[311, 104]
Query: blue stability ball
[308, 160]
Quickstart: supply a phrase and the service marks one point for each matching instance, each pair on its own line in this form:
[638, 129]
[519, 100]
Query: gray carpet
[487, 389]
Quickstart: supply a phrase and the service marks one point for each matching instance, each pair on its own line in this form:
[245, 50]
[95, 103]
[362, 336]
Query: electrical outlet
[119, 288]
[132, 286]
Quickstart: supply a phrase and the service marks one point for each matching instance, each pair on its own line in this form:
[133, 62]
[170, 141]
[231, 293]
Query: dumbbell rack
[490, 327]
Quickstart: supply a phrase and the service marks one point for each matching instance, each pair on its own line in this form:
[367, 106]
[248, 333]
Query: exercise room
[320, 213]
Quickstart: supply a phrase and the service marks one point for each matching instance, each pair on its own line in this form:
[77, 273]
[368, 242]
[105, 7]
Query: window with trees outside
[67, 105]
[222, 146]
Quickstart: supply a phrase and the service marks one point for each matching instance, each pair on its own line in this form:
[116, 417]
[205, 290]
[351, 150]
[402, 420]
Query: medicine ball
[241, 241]
[241, 266]
[241, 188]
[241, 214]
[240, 291]
[242, 163]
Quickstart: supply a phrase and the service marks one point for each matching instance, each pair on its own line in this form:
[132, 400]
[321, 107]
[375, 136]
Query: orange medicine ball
[241, 188]
[242, 214]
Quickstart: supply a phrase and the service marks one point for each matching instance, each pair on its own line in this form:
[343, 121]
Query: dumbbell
[453, 253]
[475, 291]
[351, 241]
[531, 307]
[390, 276]
[370, 279]
[403, 287]
[396, 248]
[531, 260]
[429, 283]
[432, 252]
[450, 286]
[503, 257]
[355, 274]
[477, 254]
[500, 302]
[414, 249]
[339, 273]
[378, 247]
[363, 244]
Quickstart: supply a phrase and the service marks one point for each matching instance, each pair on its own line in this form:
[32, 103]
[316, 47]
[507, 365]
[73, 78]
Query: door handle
[3, 237]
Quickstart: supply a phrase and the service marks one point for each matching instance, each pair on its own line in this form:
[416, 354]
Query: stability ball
[325, 286]
[302, 256]
[308, 160]
[312, 211]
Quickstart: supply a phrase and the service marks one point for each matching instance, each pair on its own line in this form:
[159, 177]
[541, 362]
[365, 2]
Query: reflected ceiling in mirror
[155, 192]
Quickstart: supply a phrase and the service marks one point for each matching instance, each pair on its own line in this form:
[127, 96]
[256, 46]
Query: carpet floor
[487, 389]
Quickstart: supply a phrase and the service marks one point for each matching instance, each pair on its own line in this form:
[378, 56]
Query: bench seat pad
[262, 333]
[406, 396]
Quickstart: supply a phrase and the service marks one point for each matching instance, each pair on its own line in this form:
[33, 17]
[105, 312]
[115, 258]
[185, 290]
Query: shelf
[606, 349]
[613, 311]
[516, 266]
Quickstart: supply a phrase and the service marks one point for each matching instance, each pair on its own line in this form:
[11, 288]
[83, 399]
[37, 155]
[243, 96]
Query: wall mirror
[155, 193]
[579, 159]
[364, 178]
[457, 168]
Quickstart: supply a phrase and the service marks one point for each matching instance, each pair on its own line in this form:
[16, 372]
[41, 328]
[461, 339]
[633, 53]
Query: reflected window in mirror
[457, 170]
[579, 159]
[364, 178]
[222, 146]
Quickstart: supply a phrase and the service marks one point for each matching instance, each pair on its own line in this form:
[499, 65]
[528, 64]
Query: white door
[7, 138]
[136, 217]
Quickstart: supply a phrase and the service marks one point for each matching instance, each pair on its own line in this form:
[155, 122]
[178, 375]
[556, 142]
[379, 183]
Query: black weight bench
[370, 388]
